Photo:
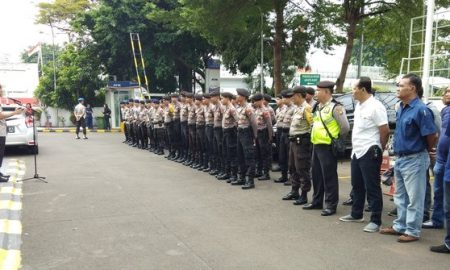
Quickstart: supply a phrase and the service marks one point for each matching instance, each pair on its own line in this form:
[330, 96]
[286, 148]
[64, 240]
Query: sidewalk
[72, 130]
[10, 215]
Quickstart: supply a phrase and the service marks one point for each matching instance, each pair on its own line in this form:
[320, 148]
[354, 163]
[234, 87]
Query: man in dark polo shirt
[415, 136]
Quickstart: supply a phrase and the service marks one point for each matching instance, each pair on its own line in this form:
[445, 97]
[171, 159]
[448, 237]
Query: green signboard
[309, 79]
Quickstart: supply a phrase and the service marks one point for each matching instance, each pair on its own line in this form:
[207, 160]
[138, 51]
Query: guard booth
[117, 91]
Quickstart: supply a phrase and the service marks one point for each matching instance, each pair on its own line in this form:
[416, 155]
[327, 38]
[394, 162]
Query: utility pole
[427, 52]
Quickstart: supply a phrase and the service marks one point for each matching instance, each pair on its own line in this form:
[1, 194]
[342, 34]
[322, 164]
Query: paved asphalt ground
[110, 206]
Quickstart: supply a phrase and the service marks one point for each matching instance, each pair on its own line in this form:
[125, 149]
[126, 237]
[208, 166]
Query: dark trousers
[246, 152]
[107, 123]
[209, 134]
[200, 143]
[300, 162]
[151, 136]
[81, 123]
[89, 122]
[264, 148]
[130, 132]
[365, 173]
[144, 135]
[170, 136]
[283, 153]
[176, 139]
[125, 131]
[192, 142]
[2, 149]
[447, 211]
[160, 134]
[218, 157]
[229, 150]
[137, 133]
[325, 178]
[184, 139]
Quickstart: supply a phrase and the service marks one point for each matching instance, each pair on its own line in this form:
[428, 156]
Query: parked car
[20, 131]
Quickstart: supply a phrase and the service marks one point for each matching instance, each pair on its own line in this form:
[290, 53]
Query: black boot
[239, 181]
[303, 199]
[259, 173]
[265, 176]
[282, 179]
[223, 176]
[293, 195]
[249, 183]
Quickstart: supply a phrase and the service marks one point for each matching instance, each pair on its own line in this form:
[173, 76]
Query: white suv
[20, 130]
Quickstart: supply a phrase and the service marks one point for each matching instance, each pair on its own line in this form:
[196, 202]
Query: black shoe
[264, 177]
[281, 180]
[293, 195]
[301, 201]
[232, 179]
[77, 137]
[258, 174]
[238, 182]
[213, 172]
[328, 212]
[311, 206]
[440, 249]
[249, 183]
[348, 202]
[287, 183]
[223, 176]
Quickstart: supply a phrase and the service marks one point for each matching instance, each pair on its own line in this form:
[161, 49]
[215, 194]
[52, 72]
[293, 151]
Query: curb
[11, 212]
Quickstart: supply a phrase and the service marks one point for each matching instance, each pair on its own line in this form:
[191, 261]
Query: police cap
[243, 92]
[299, 90]
[227, 95]
[326, 84]
[198, 97]
[257, 97]
[189, 95]
[310, 90]
[207, 95]
[268, 97]
[287, 93]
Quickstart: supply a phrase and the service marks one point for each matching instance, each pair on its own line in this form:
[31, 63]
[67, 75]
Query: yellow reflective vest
[319, 134]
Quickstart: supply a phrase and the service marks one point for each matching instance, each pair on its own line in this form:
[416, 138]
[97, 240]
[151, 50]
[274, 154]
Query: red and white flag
[34, 49]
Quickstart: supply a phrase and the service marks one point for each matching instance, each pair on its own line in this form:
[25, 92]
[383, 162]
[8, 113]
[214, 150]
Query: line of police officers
[230, 138]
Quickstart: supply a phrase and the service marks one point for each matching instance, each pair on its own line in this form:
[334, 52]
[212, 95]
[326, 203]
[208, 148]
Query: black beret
[299, 90]
[130, 101]
[326, 84]
[174, 95]
[198, 96]
[142, 102]
[156, 101]
[227, 95]
[136, 100]
[243, 92]
[310, 90]
[268, 97]
[189, 95]
[287, 93]
[279, 95]
[206, 95]
[166, 98]
[257, 97]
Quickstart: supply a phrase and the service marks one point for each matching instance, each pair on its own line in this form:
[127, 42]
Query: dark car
[388, 99]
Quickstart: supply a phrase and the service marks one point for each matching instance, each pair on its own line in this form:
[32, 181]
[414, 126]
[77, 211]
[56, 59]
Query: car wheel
[34, 149]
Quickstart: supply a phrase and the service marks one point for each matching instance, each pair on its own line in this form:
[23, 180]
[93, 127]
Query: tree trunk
[279, 24]
[351, 34]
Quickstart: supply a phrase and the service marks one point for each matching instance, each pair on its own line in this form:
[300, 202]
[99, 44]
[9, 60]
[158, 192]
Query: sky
[19, 32]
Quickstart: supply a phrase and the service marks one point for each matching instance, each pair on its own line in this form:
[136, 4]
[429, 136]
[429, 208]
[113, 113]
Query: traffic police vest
[319, 134]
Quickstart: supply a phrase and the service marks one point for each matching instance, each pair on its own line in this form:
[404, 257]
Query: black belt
[305, 135]
[229, 129]
[262, 130]
[191, 125]
[243, 129]
[200, 126]
[408, 154]
[285, 129]
[210, 125]
[217, 127]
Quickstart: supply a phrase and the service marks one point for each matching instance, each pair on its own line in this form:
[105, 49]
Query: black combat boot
[265, 176]
[239, 181]
[249, 183]
[293, 195]
[303, 199]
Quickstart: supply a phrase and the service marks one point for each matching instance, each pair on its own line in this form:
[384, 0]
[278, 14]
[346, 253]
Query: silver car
[20, 130]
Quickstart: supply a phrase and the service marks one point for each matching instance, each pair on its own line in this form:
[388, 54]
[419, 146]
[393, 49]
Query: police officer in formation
[226, 136]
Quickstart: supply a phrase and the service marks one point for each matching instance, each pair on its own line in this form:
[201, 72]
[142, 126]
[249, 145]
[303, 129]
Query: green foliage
[77, 74]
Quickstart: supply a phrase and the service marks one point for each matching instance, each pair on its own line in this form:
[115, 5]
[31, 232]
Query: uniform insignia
[339, 110]
[326, 110]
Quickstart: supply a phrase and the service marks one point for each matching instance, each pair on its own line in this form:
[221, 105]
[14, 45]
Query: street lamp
[262, 50]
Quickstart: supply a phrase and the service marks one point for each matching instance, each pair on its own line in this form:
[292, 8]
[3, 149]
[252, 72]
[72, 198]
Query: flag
[34, 50]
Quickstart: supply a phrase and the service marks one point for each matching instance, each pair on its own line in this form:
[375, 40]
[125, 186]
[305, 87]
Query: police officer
[191, 128]
[158, 122]
[142, 126]
[129, 121]
[264, 135]
[209, 131]
[200, 132]
[184, 111]
[136, 111]
[176, 140]
[149, 124]
[169, 126]
[310, 92]
[125, 115]
[229, 145]
[217, 149]
[328, 115]
[300, 148]
[284, 124]
[279, 114]
[246, 136]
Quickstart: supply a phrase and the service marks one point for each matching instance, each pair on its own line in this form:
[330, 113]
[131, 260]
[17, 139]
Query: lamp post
[262, 51]
[54, 67]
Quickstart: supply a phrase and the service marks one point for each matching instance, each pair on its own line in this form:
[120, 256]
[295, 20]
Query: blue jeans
[438, 206]
[447, 211]
[410, 174]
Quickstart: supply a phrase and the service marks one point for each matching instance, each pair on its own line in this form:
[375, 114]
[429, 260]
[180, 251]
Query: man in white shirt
[80, 115]
[369, 137]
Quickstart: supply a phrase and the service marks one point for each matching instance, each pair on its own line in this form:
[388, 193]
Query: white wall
[53, 113]
[19, 79]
